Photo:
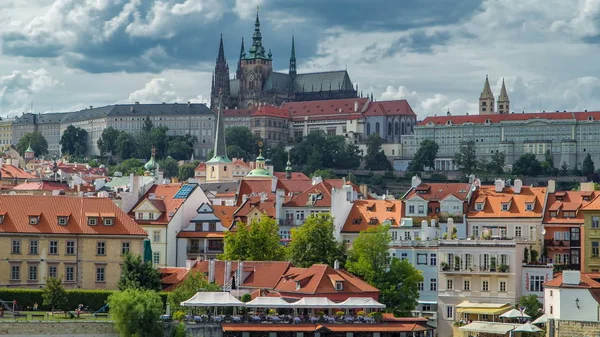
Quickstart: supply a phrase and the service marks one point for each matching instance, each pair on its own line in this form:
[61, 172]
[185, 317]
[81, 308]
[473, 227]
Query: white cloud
[161, 90]
[18, 89]
[246, 8]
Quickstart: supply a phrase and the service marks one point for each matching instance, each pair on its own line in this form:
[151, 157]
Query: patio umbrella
[514, 313]
[528, 327]
[541, 320]
[147, 251]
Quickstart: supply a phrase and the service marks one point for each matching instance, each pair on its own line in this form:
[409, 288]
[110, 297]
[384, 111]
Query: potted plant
[271, 312]
[339, 314]
[445, 236]
[454, 233]
[456, 263]
[493, 264]
[503, 268]
[376, 316]
[534, 256]
[361, 313]
[178, 315]
[444, 266]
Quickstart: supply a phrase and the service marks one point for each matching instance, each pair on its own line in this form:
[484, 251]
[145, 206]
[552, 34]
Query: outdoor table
[314, 319]
[349, 319]
[297, 320]
[236, 319]
[275, 319]
[197, 319]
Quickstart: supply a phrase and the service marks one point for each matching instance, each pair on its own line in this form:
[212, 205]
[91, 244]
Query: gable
[205, 208]
[416, 198]
[146, 206]
[451, 198]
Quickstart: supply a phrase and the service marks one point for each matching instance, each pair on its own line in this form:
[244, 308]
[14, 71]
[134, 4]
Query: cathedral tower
[220, 81]
[486, 99]
[503, 101]
[293, 60]
[256, 67]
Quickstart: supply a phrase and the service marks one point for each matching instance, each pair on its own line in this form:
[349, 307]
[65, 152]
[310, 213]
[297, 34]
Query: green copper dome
[29, 149]
[260, 172]
[219, 159]
[150, 165]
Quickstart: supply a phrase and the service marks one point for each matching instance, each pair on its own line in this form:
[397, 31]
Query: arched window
[396, 131]
[403, 128]
[377, 128]
[390, 131]
[368, 129]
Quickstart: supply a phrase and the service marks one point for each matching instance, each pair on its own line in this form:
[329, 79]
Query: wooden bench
[101, 314]
[19, 315]
[38, 316]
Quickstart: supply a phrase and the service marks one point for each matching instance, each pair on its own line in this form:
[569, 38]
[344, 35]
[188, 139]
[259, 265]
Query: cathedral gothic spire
[503, 101]
[257, 51]
[238, 72]
[486, 99]
[221, 79]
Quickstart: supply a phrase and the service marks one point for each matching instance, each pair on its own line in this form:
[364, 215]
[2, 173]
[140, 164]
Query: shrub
[178, 315]
[179, 330]
[94, 299]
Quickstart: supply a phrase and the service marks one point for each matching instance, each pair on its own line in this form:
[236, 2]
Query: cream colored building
[6, 133]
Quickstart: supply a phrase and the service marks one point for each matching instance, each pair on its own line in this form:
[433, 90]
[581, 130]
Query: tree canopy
[548, 164]
[496, 165]
[465, 158]
[400, 287]
[136, 312]
[242, 142]
[587, 168]
[375, 159]
[317, 151]
[193, 283]
[324, 173]
[74, 141]
[527, 165]
[257, 242]
[138, 274]
[107, 144]
[39, 145]
[424, 157]
[128, 166]
[125, 146]
[314, 243]
[368, 257]
[181, 147]
[532, 305]
[186, 171]
[54, 294]
[169, 167]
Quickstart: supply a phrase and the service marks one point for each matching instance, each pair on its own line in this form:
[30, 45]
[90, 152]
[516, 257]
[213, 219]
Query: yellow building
[81, 240]
[591, 237]
[5, 133]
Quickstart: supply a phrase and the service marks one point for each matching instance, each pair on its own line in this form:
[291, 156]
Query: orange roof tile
[494, 119]
[439, 191]
[19, 207]
[316, 280]
[164, 202]
[585, 282]
[318, 195]
[572, 200]
[295, 176]
[593, 205]
[271, 111]
[266, 207]
[517, 209]
[326, 109]
[389, 108]
[235, 327]
[13, 172]
[231, 113]
[363, 211]
[225, 214]
[209, 235]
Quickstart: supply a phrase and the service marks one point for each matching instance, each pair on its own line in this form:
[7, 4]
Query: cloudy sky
[60, 55]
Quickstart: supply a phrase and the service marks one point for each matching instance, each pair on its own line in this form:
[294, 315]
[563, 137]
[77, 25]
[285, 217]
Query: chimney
[189, 264]
[517, 186]
[240, 272]
[551, 186]
[415, 181]
[499, 185]
[317, 180]
[263, 196]
[336, 265]
[364, 190]
[274, 184]
[355, 106]
[571, 277]
[211, 271]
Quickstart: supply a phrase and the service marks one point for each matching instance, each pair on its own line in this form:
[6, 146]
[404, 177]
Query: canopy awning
[541, 320]
[489, 327]
[315, 302]
[514, 313]
[467, 307]
[361, 302]
[269, 302]
[212, 299]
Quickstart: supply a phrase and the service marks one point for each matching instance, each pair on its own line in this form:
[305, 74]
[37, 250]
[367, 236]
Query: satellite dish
[543, 231]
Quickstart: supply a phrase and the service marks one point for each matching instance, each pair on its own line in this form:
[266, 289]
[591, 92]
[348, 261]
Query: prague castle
[255, 81]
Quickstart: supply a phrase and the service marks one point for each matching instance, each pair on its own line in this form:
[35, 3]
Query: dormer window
[373, 221]
[63, 220]
[356, 221]
[92, 221]
[34, 219]
[108, 218]
[108, 221]
[569, 214]
[2, 217]
[586, 198]
[389, 209]
[298, 286]
[505, 206]
[371, 208]
[339, 285]
[479, 206]
[529, 206]
[553, 214]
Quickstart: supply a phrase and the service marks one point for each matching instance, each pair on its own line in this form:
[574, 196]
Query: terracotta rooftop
[17, 210]
[13, 172]
[163, 201]
[225, 214]
[328, 109]
[508, 118]
[232, 113]
[271, 111]
[571, 201]
[318, 195]
[255, 203]
[439, 191]
[389, 108]
[368, 213]
[492, 207]
[585, 282]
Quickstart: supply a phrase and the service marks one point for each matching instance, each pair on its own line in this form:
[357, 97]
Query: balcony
[414, 243]
[432, 315]
[214, 249]
[557, 244]
[195, 250]
[447, 268]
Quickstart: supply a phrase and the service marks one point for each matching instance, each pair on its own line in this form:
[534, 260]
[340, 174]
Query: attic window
[339, 285]
[373, 221]
[298, 286]
[479, 206]
[553, 214]
[356, 221]
[529, 206]
[586, 198]
[371, 208]
[389, 209]
[590, 118]
[1, 218]
[449, 123]
[34, 219]
[108, 221]
[63, 220]
[92, 221]
[569, 214]
[505, 206]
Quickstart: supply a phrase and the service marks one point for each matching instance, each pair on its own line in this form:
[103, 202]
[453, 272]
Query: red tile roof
[42, 186]
[209, 235]
[493, 119]
[567, 201]
[323, 110]
[232, 113]
[163, 201]
[585, 282]
[269, 110]
[225, 214]
[316, 279]
[318, 195]
[295, 176]
[18, 208]
[389, 108]
[266, 207]
[201, 167]
[439, 191]
[368, 213]
[492, 207]
[12, 172]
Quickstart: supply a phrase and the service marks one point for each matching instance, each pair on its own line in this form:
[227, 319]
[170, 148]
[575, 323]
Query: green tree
[351, 178]
[319, 151]
[39, 145]
[400, 287]
[375, 158]
[279, 157]
[564, 169]
[181, 147]
[325, 174]
[257, 242]
[234, 151]
[368, 257]
[138, 274]
[125, 146]
[314, 243]
[148, 125]
[169, 167]
[193, 283]
[107, 144]
[156, 137]
[186, 171]
[465, 158]
[243, 138]
[127, 167]
[548, 164]
[136, 312]
[587, 168]
[532, 306]
[74, 141]
[54, 294]
[497, 163]
[527, 165]
[424, 157]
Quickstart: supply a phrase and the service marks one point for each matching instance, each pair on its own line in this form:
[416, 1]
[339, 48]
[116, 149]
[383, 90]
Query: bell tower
[486, 99]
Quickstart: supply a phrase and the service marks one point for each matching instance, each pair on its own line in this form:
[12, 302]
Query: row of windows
[485, 285]
[53, 247]
[69, 273]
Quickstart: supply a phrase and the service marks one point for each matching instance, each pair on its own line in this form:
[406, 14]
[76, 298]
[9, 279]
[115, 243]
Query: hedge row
[93, 299]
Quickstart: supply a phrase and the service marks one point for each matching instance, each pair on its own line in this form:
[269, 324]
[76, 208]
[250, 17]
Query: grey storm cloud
[151, 35]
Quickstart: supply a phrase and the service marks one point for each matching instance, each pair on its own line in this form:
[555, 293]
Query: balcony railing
[427, 314]
[502, 268]
[414, 243]
[557, 243]
[195, 250]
